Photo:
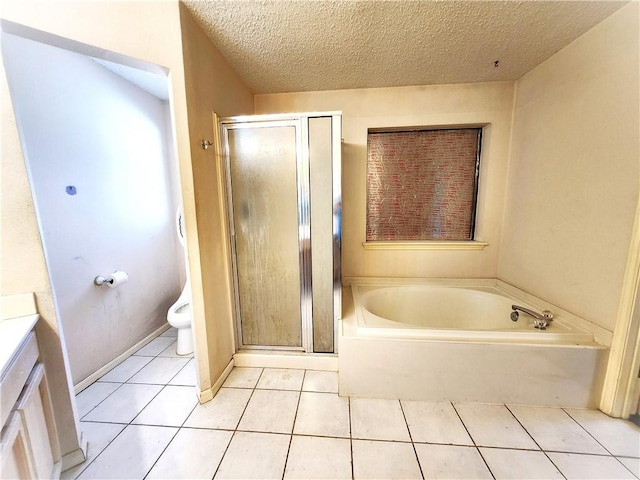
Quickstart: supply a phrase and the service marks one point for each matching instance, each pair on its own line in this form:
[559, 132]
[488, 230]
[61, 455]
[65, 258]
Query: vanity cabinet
[29, 447]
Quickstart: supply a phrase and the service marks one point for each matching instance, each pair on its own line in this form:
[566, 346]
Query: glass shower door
[264, 197]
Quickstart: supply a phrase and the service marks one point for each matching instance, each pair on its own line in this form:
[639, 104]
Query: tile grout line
[81, 471]
[177, 430]
[535, 441]
[127, 424]
[475, 445]
[235, 429]
[142, 409]
[415, 452]
[101, 401]
[124, 428]
[351, 438]
[130, 376]
[174, 436]
[599, 443]
[295, 418]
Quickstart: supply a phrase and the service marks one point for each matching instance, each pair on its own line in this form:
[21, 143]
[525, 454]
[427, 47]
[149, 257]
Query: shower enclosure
[283, 190]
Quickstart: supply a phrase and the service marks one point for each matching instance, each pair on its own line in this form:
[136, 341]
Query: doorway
[98, 146]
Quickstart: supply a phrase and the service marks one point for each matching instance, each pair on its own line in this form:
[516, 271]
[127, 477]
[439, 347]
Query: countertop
[13, 331]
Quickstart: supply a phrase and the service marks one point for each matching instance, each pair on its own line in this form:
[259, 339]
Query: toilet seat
[179, 314]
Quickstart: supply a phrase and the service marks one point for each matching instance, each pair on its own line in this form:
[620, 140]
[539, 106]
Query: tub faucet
[541, 320]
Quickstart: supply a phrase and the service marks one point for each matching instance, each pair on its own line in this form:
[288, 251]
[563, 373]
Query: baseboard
[118, 360]
[206, 395]
[77, 456]
[279, 360]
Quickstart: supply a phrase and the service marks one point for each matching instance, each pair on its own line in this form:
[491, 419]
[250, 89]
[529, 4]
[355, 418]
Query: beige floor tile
[255, 456]
[516, 464]
[451, 461]
[554, 430]
[155, 346]
[159, 371]
[223, 412]
[169, 408]
[322, 414]
[98, 436]
[270, 411]
[124, 404]
[435, 422]
[131, 454]
[186, 376]
[318, 458]
[580, 466]
[91, 396]
[192, 454]
[384, 460]
[170, 332]
[281, 379]
[620, 437]
[494, 426]
[171, 351]
[320, 381]
[126, 369]
[375, 419]
[633, 464]
[243, 377]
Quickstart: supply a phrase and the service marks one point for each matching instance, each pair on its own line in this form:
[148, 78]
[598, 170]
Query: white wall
[83, 126]
[489, 104]
[574, 172]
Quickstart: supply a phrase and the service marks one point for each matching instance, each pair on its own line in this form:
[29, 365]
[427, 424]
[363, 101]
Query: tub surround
[398, 364]
[573, 172]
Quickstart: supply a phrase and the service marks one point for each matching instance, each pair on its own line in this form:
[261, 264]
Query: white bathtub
[471, 313]
[456, 342]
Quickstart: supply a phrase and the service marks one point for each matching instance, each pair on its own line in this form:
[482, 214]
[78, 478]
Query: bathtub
[472, 313]
[456, 342]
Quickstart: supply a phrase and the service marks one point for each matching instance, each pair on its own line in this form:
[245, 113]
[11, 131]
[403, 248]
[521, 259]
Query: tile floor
[142, 420]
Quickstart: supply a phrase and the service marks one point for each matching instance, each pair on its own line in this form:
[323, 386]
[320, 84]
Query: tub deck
[392, 363]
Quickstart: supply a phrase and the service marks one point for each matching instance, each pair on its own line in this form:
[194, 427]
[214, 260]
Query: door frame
[621, 387]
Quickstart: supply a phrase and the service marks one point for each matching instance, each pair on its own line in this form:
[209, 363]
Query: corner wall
[438, 105]
[211, 86]
[574, 172]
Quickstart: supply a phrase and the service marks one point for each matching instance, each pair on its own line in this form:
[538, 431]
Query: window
[422, 184]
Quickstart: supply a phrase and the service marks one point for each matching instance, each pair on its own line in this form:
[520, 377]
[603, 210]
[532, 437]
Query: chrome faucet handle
[547, 315]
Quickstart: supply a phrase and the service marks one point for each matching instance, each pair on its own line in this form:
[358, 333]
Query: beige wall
[23, 266]
[573, 178]
[149, 31]
[211, 86]
[488, 103]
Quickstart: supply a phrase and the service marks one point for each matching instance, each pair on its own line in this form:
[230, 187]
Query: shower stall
[284, 202]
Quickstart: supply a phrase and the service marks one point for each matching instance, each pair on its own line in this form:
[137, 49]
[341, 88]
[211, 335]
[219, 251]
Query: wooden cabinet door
[34, 407]
[16, 459]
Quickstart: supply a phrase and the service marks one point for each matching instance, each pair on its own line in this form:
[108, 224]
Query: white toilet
[179, 314]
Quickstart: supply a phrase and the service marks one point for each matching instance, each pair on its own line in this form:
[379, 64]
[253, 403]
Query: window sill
[425, 245]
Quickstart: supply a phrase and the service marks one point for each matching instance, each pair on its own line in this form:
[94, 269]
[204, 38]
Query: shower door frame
[300, 121]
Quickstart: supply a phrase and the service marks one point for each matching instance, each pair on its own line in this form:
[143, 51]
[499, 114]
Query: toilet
[179, 314]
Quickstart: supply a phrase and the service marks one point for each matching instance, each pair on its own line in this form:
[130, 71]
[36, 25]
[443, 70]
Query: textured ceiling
[306, 45]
